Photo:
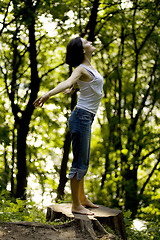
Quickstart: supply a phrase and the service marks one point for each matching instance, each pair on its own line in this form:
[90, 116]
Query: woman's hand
[41, 100]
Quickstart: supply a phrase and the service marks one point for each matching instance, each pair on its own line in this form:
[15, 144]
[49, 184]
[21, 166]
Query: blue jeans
[80, 123]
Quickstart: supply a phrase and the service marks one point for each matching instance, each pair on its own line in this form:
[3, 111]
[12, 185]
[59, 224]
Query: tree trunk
[130, 185]
[92, 22]
[63, 178]
[91, 224]
[21, 163]
[13, 162]
[6, 168]
[66, 150]
[23, 126]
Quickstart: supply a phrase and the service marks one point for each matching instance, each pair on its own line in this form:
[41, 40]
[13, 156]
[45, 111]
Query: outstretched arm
[72, 89]
[59, 88]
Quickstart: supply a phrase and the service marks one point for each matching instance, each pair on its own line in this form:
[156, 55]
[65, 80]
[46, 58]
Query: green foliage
[4, 134]
[19, 210]
[150, 230]
[125, 139]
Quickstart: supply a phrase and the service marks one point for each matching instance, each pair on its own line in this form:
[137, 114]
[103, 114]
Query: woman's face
[87, 46]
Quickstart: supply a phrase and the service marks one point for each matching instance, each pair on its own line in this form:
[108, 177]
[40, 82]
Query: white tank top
[90, 92]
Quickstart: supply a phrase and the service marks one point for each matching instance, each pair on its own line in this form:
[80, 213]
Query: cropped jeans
[80, 123]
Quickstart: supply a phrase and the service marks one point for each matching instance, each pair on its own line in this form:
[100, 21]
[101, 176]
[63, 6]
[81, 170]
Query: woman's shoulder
[83, 73]
[80, 70]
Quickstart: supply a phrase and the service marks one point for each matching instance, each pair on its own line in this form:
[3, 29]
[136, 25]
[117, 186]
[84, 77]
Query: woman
[90, 83]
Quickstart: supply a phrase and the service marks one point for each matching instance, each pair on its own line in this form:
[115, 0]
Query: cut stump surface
[92, 224]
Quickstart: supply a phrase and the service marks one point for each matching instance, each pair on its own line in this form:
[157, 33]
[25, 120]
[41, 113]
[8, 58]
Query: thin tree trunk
[6, 168]
[13, 161]
[21, 164]
[63, 170]
[66, 150]
[91, 25]
[131, 198]
[149, 177]
[106, 168]
[26, 115]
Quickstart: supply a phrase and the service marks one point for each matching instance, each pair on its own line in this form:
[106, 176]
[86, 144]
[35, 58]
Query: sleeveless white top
[90, 92]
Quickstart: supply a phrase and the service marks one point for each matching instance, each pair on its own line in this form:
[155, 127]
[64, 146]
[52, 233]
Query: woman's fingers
[37, 102]
[40, 101]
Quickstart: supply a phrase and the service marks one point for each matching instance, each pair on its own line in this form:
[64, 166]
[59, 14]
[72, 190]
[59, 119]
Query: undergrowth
[12, 210]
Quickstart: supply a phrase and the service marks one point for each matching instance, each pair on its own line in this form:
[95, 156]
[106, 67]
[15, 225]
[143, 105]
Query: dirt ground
[29, 231]
[10, 231]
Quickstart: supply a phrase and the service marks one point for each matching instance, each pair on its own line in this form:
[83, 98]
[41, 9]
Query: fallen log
[95, 224]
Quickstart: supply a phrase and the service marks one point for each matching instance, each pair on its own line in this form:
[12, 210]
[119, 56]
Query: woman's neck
[87, 60]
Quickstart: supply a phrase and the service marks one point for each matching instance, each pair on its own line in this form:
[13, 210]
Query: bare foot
[81, 210]
[88, 203]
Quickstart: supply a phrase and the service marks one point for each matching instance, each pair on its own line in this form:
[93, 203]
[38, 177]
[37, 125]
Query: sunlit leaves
[126, 133]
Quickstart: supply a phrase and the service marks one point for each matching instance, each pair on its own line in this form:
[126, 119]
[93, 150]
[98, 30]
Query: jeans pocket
[84, 117]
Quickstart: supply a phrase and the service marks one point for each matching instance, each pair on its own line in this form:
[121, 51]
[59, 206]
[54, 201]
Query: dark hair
[74, 55]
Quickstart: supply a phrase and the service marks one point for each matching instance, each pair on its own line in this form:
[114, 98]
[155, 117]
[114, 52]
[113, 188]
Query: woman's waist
[82, 110]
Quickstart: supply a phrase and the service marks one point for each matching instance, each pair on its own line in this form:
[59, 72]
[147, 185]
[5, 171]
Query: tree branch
[50, 70]
[136, 61]
[92, 22]
[149, 177]
[148, 154]
[106, 18]
[4, 25]
[148, 35]
[5, 80]
[142, 105]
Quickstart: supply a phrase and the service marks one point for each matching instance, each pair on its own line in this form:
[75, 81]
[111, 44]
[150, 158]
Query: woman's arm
[76, 74]
[72, 89]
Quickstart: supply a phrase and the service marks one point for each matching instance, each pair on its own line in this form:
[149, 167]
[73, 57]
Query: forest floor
[10, 231]
[29, 231]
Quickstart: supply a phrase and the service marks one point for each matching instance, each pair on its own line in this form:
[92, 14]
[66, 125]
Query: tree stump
[92, 224]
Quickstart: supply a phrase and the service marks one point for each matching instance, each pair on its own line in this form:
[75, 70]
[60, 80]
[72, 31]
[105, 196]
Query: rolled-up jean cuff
[78, 172]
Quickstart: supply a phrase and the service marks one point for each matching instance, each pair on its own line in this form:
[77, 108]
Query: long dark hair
[74, 55]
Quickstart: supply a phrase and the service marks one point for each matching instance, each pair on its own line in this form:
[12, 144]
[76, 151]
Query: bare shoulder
[80, 73]
[84, 75]
[76, 75]
[79, 70]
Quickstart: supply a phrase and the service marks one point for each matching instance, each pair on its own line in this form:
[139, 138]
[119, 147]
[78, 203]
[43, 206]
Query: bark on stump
[91, 224]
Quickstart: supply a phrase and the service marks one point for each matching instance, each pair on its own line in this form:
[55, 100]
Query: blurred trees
[125, 143]
[131, 98]
[21, 88]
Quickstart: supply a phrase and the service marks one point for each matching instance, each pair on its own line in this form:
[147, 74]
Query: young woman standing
[90, 83]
